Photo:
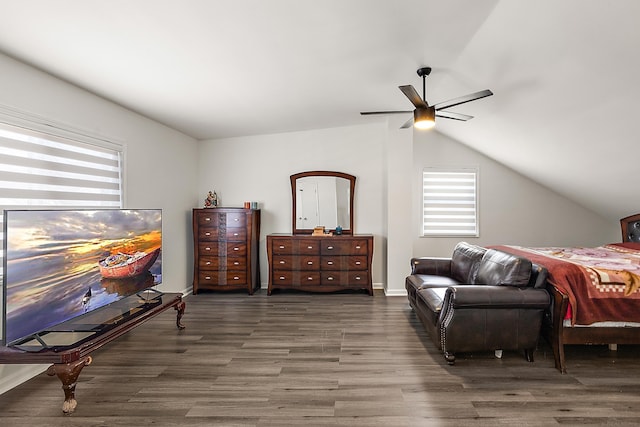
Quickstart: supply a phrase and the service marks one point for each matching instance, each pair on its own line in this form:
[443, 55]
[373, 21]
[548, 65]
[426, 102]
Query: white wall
[160, 166]
[257, 168]
[399, 155]
[388, 163]
[512, 209]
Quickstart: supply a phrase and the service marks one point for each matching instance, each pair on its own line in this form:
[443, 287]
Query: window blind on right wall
[449, 202]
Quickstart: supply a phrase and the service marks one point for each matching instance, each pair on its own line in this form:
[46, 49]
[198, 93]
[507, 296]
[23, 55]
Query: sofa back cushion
[500, 268]
[465, 261]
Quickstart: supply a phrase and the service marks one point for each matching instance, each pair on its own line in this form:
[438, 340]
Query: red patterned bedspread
[602, 283]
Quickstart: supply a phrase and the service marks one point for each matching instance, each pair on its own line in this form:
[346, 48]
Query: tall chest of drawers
[320, 263]
[225, 249]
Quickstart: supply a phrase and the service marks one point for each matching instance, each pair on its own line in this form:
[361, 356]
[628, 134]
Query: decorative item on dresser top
[226, 249]
[309, 260]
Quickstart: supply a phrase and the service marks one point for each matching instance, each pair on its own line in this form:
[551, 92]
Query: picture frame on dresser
[338, 260]
[225, 250]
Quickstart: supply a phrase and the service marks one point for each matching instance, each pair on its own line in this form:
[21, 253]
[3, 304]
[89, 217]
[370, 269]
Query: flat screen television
[63, 264]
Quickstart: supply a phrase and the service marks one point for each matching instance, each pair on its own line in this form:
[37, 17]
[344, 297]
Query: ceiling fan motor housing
[424, 71]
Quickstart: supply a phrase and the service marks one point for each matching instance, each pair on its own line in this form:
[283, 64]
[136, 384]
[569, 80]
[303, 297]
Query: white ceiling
[563, 72]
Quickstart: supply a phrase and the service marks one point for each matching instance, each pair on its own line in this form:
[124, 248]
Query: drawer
[230, 249]
[296, 262]
[218, 263]
[236, 219]
[350, 262]
[296, 278]
[222, 219]
[345, 278]
[208, 219]
[344, 247]
[212, 234]
[221, 278]
[296, 246]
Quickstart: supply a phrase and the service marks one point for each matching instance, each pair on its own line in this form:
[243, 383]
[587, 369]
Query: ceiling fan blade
[454, 116]
[410, 92]
[368, 113]
[463, 99]
[407, 124]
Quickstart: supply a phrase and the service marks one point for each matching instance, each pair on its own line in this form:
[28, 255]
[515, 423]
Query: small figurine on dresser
[212, 200]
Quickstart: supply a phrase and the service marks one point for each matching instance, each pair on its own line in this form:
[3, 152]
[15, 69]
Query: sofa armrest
[431, 265]
[490, 317]
[489, 296]
[539, 276]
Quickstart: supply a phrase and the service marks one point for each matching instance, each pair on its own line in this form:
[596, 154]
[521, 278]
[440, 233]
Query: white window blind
[57, 169]
[449, 202]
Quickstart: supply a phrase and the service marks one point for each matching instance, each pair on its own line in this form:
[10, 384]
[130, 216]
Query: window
[45, 165]
[449, 202]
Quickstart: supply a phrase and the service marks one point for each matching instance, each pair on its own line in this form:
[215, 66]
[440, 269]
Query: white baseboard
[395, 292]
[13, 375]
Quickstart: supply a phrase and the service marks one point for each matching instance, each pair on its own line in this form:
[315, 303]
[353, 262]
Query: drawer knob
[357, 277]
[358, 262]
[236, 263]
[329, 278]
[281, 277]
[309, 262]
[330, 262]
[236, 278]
[309, 278]
[329, 247]
[282, 262]
[358, 246]
[236, 249]
[236, 219]
[207, 277]
[309, 247]
[207, 249]
[207, 234]
[235, 234]
[208, 263]
[207, 219]
[280, 247]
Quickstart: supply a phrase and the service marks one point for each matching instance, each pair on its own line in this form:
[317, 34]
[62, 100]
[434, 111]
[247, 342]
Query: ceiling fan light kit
[424, 118]
[424, 115]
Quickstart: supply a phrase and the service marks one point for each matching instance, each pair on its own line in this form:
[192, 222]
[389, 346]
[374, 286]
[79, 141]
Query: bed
[595, 292]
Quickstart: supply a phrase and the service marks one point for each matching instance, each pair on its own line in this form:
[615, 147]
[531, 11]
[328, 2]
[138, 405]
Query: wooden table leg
[180, 311]
[68, 374]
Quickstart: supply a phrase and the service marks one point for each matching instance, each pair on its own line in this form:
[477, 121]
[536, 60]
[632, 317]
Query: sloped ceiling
[563, 72]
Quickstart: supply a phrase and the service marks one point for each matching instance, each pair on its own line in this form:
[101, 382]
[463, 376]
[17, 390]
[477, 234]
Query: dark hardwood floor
[294, 359]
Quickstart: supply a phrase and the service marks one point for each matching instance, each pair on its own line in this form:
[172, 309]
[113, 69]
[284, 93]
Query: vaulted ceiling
[564, 72]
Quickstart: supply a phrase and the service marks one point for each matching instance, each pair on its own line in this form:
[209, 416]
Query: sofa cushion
[500, 268]
[465, 261]
[420, 281]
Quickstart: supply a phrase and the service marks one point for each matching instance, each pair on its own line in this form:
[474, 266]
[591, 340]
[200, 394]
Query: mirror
[322, 198]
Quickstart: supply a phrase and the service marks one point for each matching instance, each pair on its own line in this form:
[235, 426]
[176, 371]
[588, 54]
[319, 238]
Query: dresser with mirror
[322, 254]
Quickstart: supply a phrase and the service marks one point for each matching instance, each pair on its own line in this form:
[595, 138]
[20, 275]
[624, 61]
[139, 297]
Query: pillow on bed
[500, 268]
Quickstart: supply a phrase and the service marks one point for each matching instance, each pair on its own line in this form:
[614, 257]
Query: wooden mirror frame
[352, 187]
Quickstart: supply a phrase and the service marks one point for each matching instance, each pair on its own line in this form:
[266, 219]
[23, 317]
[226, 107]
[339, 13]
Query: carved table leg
[180, 311]
[68, 374]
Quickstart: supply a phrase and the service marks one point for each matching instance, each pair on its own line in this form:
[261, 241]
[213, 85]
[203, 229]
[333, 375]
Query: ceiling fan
[424, 116]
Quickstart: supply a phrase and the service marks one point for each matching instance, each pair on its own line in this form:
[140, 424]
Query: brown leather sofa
[479, 300]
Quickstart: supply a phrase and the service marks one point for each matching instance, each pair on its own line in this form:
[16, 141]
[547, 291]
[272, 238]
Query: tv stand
[68, 357]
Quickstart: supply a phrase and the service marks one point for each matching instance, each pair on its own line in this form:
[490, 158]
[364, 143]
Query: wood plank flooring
[294, 359]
